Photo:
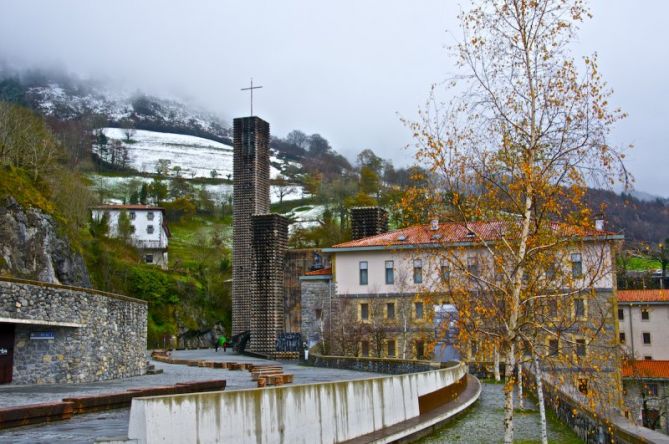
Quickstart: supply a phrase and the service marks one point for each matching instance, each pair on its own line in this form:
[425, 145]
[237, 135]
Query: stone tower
[368, 221]
[250, 196]
[270, 242]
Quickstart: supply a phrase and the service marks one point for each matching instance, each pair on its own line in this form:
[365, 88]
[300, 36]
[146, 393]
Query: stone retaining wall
[96, 335]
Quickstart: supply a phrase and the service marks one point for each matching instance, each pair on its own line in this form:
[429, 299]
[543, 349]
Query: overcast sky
[347, 69]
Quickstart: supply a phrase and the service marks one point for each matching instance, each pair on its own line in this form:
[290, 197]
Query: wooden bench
[274, 379]
[35, 414]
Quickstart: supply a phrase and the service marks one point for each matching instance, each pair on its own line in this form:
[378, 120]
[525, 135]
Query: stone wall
[298, 262]
[315, 301]
[96, 335]
[375, 365]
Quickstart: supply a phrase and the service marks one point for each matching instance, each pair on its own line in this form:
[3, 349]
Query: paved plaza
[85, 428]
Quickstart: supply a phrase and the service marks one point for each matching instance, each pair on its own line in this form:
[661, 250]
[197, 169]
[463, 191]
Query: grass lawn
[643, 264]
[191, 237]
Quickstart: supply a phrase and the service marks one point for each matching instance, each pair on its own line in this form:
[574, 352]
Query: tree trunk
[519, 369]
[508, 396]
[540, 400]
[495, 364]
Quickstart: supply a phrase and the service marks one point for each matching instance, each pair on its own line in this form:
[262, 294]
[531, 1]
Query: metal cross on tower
[251, 88]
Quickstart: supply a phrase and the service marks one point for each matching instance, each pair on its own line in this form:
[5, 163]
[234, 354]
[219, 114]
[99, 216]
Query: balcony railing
[150, 244]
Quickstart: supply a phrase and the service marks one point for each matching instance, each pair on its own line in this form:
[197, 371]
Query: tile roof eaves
[346, 249]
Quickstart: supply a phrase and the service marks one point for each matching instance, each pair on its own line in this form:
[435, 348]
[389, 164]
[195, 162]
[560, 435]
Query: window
[390, 274]
[651, 389]
[621, 314]
[148, 258]
[363, 273]
[364, 348]
[420, 350]
[550, 272]
[149, 229]
[621, 336]
[648, 358]
[552, 308]
[445, 273]
[319, 314]
[390, 310]
[473, 266]
[149, 215]
[553, 347]
[583, 385]
[645, 314]
[418, 271]
[576, 265]
[132, 215]
[419, 310]
[364, 312]
[580, 347]
[646, 338]
[579, 308]
[391, 348]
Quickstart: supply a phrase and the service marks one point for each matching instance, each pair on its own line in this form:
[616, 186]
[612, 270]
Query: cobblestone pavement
[85, 428]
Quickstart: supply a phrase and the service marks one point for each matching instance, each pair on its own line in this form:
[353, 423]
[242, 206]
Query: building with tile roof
[151, 234]
[646, 391]
[643, 316]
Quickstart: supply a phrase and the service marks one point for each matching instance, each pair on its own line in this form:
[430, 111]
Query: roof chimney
[599, 222]
[434, 224]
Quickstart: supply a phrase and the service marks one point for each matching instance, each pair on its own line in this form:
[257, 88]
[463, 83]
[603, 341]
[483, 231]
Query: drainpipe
[631, 331]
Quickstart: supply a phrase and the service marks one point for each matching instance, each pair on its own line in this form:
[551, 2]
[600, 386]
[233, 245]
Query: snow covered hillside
[70, 102]
[196, 156]
[115, 187]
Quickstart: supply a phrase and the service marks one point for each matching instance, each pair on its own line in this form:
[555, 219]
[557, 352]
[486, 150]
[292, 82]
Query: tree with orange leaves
[518, 142]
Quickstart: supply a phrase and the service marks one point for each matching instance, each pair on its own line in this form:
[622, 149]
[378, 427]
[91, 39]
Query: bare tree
[517, 144]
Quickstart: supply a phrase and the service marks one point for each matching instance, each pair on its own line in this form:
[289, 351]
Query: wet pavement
[86, 428]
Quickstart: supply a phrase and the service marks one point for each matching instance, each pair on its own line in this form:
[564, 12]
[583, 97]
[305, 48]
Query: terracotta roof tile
[646, 369]
[643, 295]
[320, 272]
[452, 232]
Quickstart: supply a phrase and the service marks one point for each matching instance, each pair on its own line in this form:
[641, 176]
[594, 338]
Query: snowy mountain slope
[66, 102]
[196, 156]
[114, 187]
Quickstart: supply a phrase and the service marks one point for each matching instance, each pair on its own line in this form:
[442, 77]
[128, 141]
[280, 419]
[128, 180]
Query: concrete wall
[96, 336]
[327, 412]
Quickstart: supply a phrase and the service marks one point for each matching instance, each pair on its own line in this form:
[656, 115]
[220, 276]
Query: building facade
[386, 291]
[53, 334]
[643, 317]
[150, 232]
[646, 392]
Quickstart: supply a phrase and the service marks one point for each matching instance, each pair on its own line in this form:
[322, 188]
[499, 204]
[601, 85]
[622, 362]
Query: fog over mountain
[345, 69]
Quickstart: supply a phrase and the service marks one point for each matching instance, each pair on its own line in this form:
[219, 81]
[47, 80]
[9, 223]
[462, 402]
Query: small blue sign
[42, 335]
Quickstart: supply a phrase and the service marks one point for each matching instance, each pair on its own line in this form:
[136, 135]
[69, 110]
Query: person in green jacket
[222, 342]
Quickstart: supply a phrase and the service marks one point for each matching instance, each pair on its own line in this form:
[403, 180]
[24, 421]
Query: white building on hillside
[150, 234]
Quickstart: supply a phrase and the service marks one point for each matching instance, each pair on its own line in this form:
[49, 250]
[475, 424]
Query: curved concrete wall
[326, 412]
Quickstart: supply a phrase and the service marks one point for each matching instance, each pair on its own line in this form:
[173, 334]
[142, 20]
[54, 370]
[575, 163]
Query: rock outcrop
[32, 248]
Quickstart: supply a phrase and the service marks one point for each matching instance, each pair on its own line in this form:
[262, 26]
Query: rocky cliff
[32, 248]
